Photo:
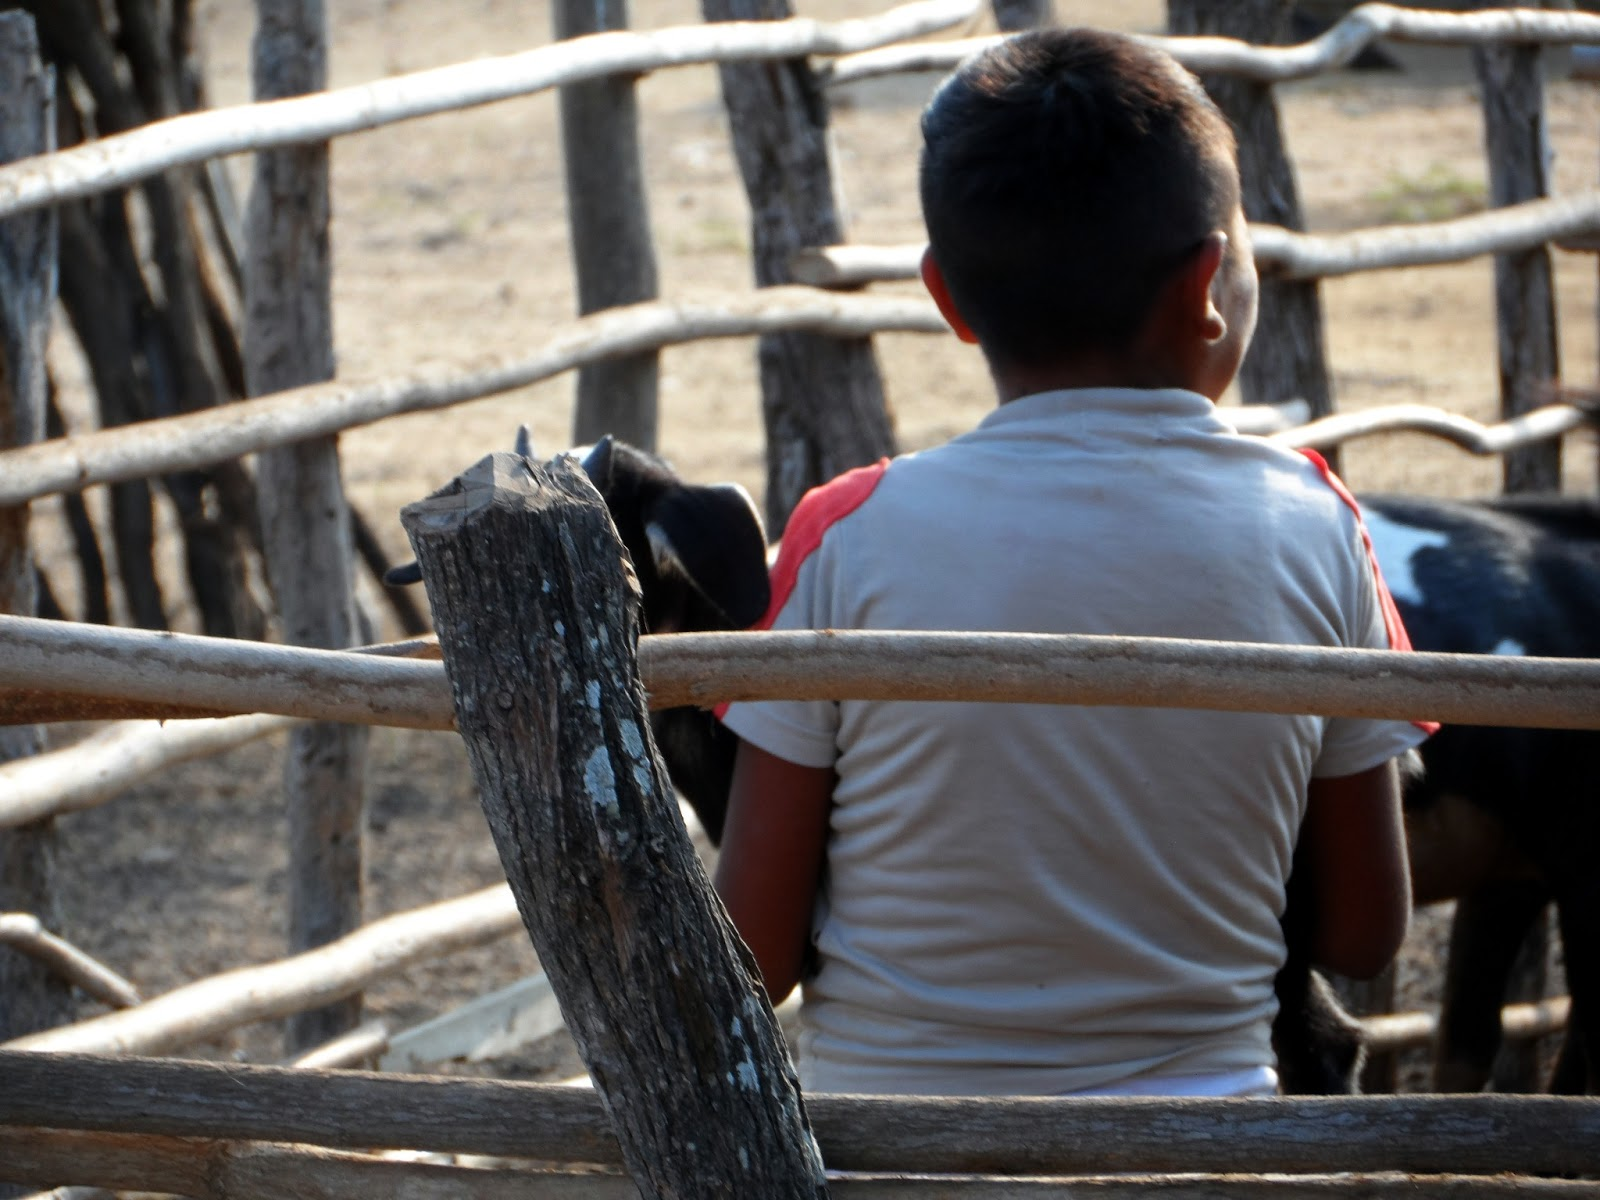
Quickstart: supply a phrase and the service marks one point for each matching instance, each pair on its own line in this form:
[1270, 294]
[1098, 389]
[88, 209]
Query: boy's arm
[773, 849]
[1353, 846]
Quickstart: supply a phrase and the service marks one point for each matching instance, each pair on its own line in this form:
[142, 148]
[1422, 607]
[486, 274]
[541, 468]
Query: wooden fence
[192, 678]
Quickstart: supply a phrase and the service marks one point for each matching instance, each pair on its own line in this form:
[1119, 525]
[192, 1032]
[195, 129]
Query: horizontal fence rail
[125, 158]
[1529, 429]
[214, 1006]
[214, 435]
[1335, 48]
[25, 933]
[862, 48]
[114, 759]
[1010, 1136]
[1287, 254]
[41, 661]
[217, 1169]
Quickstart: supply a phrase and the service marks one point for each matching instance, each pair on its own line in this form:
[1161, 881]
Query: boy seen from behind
[1037, 899]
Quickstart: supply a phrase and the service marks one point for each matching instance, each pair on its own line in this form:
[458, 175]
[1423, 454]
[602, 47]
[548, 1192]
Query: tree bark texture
[608, 221]
[1288, 359]
[822, 398]
[1517, 142]
[288, 342]
[31, 996]
[538, 615]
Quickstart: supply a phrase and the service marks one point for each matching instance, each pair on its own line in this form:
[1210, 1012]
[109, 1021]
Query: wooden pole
[538, 618]
[47, 665]
[608, 220]
[1478, 1135]
[1287, 360]
[211, 1007]
[216, 1169]
[31, 996]
[288, 342]
[321, 409]
[822, 399]
[1517, 141]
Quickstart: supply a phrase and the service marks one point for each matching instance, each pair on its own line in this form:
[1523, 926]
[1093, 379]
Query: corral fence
[60, 672]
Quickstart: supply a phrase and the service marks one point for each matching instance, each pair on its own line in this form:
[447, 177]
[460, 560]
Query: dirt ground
[450, 246]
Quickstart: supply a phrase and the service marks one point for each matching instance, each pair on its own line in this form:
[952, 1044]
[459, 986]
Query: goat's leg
[1490, 925]
[1578, 908]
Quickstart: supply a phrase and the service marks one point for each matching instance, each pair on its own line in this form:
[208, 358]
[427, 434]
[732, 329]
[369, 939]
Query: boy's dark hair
[1065, 175]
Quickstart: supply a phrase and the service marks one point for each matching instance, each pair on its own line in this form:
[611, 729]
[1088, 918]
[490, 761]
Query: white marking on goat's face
[664, 553]
[1397, 546]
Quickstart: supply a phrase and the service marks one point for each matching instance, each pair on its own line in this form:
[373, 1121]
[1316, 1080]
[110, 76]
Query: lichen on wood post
[538, 617]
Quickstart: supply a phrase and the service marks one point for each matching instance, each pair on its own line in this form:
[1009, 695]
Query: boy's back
[1042, 899]
[1001, 873]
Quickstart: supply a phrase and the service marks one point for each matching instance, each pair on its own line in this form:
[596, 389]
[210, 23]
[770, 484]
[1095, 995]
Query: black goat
[700, 555]
[1504, 820]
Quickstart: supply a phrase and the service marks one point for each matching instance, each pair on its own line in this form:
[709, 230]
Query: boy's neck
[1089, 371]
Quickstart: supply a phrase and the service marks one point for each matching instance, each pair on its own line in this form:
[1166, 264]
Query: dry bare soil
[450, 247]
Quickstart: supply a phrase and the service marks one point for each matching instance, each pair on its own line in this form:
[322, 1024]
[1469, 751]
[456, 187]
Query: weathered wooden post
[1517, 143]
[1288, 359]
[288, 341]
[31, 997]
[538, 618]
[608, 220]
[822, 398]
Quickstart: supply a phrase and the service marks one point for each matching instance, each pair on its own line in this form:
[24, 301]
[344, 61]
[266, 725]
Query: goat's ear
[405, 573]
[712, 537]
[597, 464]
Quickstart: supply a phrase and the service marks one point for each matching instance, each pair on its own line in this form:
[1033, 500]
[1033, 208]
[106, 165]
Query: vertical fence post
[31, 997]
[305, 526]
[538, 619]
[608, 219]
[822, 398]
[1517, 142]
[1288, 358]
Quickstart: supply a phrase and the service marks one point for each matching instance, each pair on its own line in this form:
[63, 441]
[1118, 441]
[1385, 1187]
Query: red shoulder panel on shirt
[1399, 639]
[819, 509]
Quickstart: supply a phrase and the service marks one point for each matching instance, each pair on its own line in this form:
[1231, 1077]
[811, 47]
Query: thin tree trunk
[305, 524]
[608, 218]
[31, 997]
[1288, 359]
[822, 398]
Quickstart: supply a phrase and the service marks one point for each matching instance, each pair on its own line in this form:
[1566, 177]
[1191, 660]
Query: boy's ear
[933, 280]
[1194, 287]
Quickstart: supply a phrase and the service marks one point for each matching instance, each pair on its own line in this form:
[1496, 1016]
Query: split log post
[1288, 359]
[608, 221]
[31, 995]
[305, 526]
[822, 399]
[538, 614]
[1517, 142]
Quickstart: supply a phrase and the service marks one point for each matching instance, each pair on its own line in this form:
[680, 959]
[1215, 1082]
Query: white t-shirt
[1041, 899]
